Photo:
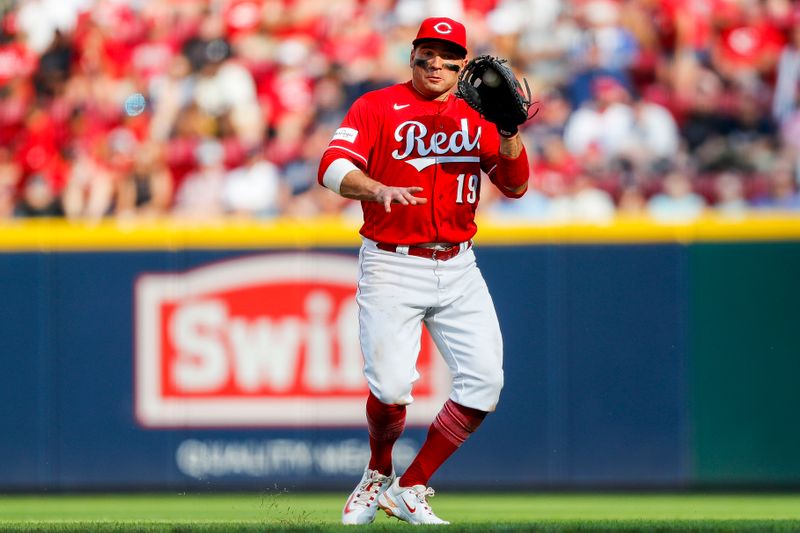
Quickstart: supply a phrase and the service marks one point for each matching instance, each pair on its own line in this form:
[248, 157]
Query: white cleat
[409, 504]
[362, 504]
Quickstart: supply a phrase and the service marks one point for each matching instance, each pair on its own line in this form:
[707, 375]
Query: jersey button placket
[439, 125]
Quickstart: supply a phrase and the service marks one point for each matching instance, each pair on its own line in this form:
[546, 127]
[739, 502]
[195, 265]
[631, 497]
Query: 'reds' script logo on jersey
[268, 340]
[434, 148]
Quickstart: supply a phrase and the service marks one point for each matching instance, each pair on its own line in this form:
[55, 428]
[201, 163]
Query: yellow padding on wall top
[61, 235]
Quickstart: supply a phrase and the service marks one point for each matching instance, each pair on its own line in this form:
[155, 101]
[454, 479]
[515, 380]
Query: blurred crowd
[210, 108]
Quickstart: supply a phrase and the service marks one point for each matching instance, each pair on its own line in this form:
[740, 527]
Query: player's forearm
[511, 147]
[343, 177]
[358, 186]
[512, 167]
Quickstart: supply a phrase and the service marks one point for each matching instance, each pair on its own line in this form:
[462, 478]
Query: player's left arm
[505, 161]
[491, 88]
[512, 170]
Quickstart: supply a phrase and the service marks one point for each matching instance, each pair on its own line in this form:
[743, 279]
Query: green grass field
[279, 511]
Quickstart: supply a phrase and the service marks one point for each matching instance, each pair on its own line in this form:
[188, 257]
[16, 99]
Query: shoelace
[369, 490]
[422, 496]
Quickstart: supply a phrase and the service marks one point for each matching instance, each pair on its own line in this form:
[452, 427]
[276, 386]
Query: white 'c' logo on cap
[443, 27]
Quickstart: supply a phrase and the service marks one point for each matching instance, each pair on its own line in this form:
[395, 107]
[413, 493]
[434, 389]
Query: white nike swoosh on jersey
[398, 107]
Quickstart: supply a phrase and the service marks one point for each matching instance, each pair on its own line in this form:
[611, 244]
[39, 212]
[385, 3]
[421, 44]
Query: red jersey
[401, 139]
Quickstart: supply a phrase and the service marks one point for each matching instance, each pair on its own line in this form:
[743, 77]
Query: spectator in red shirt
[749, 47]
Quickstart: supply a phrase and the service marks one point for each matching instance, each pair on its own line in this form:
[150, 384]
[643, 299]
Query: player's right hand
[398, 195]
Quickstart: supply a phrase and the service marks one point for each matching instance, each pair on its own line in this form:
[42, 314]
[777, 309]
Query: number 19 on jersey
[472, 188]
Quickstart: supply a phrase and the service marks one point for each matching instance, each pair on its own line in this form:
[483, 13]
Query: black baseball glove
[490, 88]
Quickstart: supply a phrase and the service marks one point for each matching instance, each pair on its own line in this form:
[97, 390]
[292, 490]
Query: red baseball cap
[442, 29]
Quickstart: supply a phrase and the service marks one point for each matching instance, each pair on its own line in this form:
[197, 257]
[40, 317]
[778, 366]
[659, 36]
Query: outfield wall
[224, 356]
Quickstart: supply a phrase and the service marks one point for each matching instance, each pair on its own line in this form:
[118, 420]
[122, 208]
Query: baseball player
[413, 154]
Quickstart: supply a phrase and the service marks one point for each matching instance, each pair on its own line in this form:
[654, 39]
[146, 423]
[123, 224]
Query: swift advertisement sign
[262, 341]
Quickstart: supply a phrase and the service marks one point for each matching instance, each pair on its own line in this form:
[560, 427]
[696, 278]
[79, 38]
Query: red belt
[441, 254]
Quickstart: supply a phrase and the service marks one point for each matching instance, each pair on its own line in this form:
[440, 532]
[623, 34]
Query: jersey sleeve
[354, 138]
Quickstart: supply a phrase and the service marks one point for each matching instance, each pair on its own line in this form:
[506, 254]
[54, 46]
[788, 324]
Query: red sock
[385, 423]
[449, 430]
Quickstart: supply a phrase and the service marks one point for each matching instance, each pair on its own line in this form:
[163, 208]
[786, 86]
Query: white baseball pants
[396, 293]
